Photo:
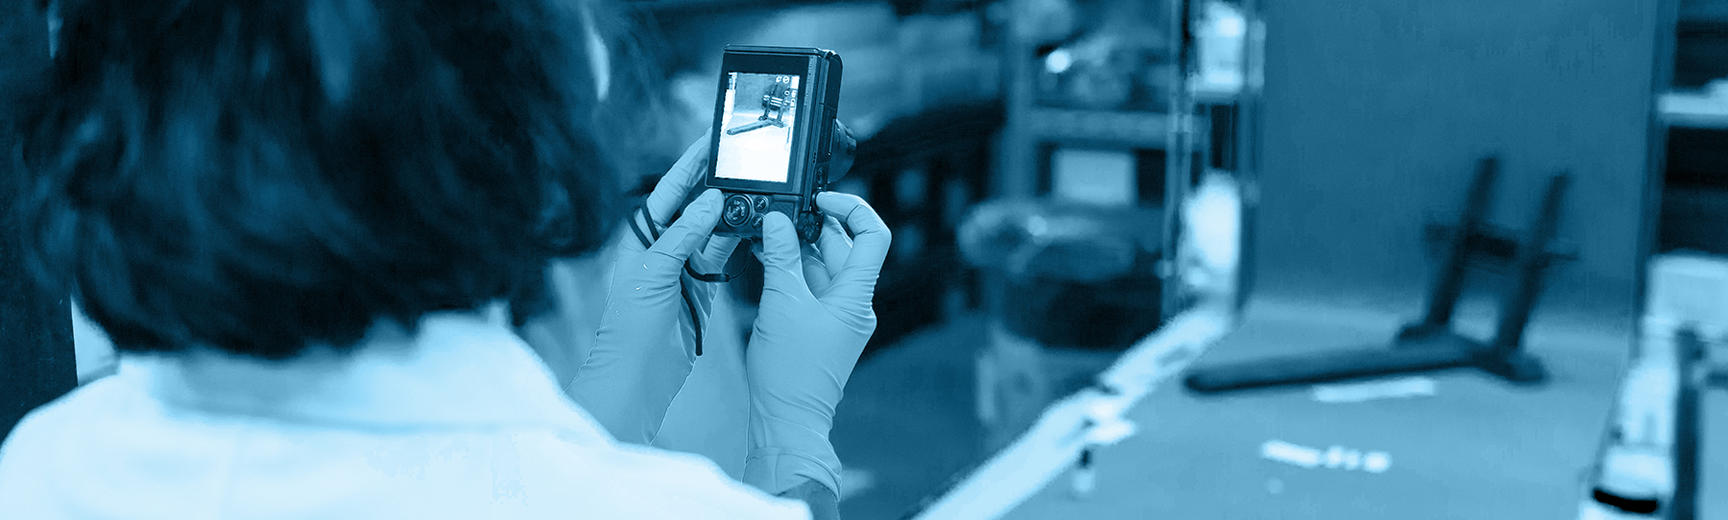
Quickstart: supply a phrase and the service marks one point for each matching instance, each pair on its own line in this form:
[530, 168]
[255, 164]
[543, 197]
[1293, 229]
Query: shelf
[1215, 93]
[1693, 110]
[1704, 12]
[1140, 129]
[1691, 219]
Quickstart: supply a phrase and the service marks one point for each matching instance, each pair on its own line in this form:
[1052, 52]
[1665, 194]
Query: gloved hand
[815, 318]
[645, 346]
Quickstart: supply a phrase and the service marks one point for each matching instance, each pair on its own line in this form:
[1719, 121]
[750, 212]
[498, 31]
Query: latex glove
[815, 317]
[645, 346]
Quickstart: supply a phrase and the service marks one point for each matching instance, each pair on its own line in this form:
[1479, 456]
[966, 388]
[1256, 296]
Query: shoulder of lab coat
[460, 422]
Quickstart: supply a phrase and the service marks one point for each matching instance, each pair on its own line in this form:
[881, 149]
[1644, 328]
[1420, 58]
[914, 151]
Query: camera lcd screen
[758, 116]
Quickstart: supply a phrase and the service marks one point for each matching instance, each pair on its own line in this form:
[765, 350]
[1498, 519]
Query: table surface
[1478, 448]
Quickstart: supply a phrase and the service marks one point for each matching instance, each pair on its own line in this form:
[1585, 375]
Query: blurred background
[1066, 178]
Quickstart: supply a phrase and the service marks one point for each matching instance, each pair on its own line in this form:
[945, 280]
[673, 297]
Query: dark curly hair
[260, 176]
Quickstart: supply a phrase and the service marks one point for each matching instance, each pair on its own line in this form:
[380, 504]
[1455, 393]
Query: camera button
[761, 203]
[756, 222]
[737, 210]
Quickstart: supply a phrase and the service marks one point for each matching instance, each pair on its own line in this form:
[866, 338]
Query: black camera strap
[646, 219]
[643, 219]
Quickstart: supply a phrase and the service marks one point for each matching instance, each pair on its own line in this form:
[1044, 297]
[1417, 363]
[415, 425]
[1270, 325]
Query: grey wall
[1376, 109]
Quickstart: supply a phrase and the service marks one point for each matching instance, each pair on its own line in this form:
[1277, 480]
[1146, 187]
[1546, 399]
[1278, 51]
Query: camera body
[773, 140]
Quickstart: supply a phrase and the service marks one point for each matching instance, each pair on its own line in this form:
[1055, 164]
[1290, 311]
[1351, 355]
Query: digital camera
[773, 143]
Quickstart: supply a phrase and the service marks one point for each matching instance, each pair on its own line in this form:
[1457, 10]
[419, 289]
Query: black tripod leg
[1515, 366]
[750, 126]
[1449, 281]
[1325, 367]
[1531, 262]
[1684, 504]
[1504, 358]
[1431, 344]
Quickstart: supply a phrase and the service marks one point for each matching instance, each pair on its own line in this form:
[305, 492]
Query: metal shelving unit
[1198, 127]
[1688, 164]
[1145, 130]
[1692, 110]
[1648, 464]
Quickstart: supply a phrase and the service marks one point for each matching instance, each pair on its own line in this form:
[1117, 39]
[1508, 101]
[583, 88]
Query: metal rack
[1200, 129]
[1688, 167]
[1647, 465]
[1197, 129]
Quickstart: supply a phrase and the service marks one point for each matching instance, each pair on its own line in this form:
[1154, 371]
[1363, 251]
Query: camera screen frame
[803, 67]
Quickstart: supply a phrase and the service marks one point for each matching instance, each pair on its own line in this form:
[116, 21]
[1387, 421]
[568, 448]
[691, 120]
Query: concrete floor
[1478, 448]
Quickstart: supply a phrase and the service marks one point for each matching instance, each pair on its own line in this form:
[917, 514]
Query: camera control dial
[737, 211]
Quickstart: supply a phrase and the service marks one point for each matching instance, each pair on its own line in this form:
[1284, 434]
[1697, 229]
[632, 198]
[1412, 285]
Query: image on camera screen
[756, 122]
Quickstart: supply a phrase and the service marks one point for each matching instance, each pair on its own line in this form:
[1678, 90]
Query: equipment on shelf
[1648, 465]
[1069, 274]
[943, 156]
[1431, 344]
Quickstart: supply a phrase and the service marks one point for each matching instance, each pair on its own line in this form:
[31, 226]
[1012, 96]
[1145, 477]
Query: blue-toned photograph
[758, 116]
[864, 259]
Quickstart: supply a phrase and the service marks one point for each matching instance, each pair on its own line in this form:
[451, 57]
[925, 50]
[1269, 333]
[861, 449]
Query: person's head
[260, 176]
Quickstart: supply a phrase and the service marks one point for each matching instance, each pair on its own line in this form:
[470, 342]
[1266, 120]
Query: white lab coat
[461, 421]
